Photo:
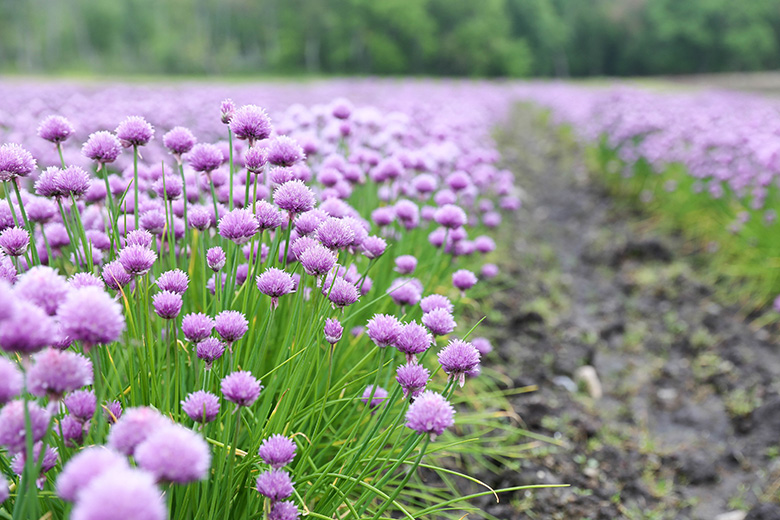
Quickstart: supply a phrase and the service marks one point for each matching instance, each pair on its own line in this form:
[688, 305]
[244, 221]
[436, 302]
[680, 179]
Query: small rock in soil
[589, 378]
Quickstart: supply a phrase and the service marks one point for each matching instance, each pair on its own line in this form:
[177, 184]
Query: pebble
[566, 383]
[732, 515]
[588, 376]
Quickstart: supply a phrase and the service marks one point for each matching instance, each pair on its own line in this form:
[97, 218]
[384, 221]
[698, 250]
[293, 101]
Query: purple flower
[277, 451]
[199, 217]
[308, 222]
[226, 110]
[175, 281]
[405, 291]
[413, 339]
[384, 329]
[439, 322]
[174, 454]
[383, 216]
[413, 378]
[46, 461]
[275, 484]
[335, 233]
[285, 510]
[201, 406]
[7, 270]
[450, 216]
[284, 151]
[81, 404]
[102, 147]
[55, 129]
[489, 271]
[14, 241]
[241, 388]
[48, 184]
[197, 327]
[12, 429]
[275, 283]
[15, 161]
[463, 279]
[137, 260]
[205, 157]
[379, 395]
[482, 345]
[333, 330]
[28, 330]
[179, 140]
[430, 413]
[91, 316]
[167, 304]
[72, 430]
[238, 225]
[405, 264]
[5, 492]
[209, 350]
[342, 293]
[168, 187]
[153, 221]
[115, 275]
[84, 467]
[10, 381]
[252, 123]
[294, 197]
[231, 326]
[268, 217]
[120, 493]
[458, 358]
[73, 180]
[134, 427]
[41, 210]
[341, 108]
[373, 247]
[44, 287]
[134, 131]
[112, 411]
[139, 237]
[256, 158]
[317, 260]
[215, 258]
[55, 372]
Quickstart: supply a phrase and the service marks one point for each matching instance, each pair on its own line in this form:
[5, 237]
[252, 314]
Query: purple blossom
[384, 329]
[413, 378]
[341, 108]
[383, 216]
[48, 184]
[91, 316]
[153, 221]
[102, 147]
[277, 451]
[209, 350]
[256, 158]
[134, 427]
[430, 413]
[12, 428]
[241, 388]
[72, 431]
[79, 280]
[137, 260]
[275, 283]
[317, 260]
[72, 181]
[46, 461]
[239, 225]
[205, 157]
[250, 122]
[463, 279]
[342, 293]
[450, 216]
[40, 210]
[55, 129]
[44, 287]
[333, 330]
[482, 345]
[84, 467]
[231, 326]
[174, 454]
[28, 330]
[15, 161]
[405, 291]
[197, 327]
[458, 358]
[167, 304]
[275, 484]
[294, 197]
[179, 140]
[284, 510]
[335, 233]
[81, 404]
[405, 264]
[175, 281]
[139, 237]
[115, 275]
[226, 110]
[373, 246]
[14, 241]
[376, 394]
[284, 151]
[168, 187]
[112, 411]
[201, 406]
[215, 258]
[134, 131]
[132, 494]
[199, 217]
[412, 340]
[10, 381]
[54, 372]
[268, 217]
[439, 322]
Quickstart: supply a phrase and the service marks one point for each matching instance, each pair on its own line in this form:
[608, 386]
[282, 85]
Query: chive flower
[413, 339]
[120, 493]
[15, 161]
[201, 406]
[384, 329]
[55, 129]
[379, 396]
[439, 321]
[241, 388]
[28, 330]
[294, 197]
[231, 326]
[333, 330]
[430, 413]
[179, 140]
[167, 304]
[91, 316]
[215, 258]
[251, 123]
[175, 281]
[239, 226]
[54, 372]
[275, 484]
[342, 293]
[458, 358]
[12, 424]
[134, 131]
[102, 147]
[413, 378]
[256, 158]
[81, 404]
[463, 279]
[84, 467]
[284, 151]
[284, 510]
[174, 454]
[10, 381]
[197, 327]
[44, 287]
[209, 350]
[134, 427]
[275, 283]
[14, 241]
[373, 246]
[205, 158]
[115, 276]
[277, 451]
[268, 217]
[317, 260]
[137, 260]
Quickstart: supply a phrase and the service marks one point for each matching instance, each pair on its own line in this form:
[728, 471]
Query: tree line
[422, 37]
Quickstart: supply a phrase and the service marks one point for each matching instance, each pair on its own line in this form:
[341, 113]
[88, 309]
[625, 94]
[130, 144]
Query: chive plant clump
[240, 313]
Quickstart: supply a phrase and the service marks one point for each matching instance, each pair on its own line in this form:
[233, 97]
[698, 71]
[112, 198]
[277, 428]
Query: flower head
[335, 233]
[268, 217]
[284, 151]
[55, 372]
[55, 129]
[197, 326]
[256, 158]
[134, 131]
[167, 304]
[275, 283]
[10, 380]
[205, 157]
[275, 484]
[84, 467]
[15, 161]
[28, 330]
[412, 377]
[174, 454]
[132, 494]
[174, 280]
[294, 197]
[44, 287]
[137, 260]
[201, 406]
[333, 331]
[209, 350]
[405, 264]
[251, 122]
[430, 413]
[73, 180]
[102, 147]
[463, 279]
[317, 260]
[436, 301]
[226, 110]
[342, 293]
[115, 275]
[376, 394]
[284, 510]
[215, 258]
[412, 340]
[134, 427]
[81, 404]
[439, 321]
[238, 225]
[231, 325]
[458, 358]
[12, 424]
[384, 329]
[405, 291]
[14, 241]
[91, 316]
[373, 246]
[277, 451]
[179, 140]
[241, 388]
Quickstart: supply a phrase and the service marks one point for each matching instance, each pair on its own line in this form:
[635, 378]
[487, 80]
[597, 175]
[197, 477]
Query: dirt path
[688, 423]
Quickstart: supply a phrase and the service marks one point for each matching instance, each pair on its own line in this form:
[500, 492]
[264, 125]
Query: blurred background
[514, 38]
